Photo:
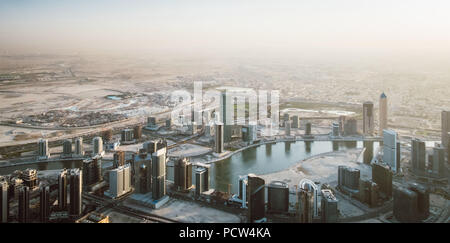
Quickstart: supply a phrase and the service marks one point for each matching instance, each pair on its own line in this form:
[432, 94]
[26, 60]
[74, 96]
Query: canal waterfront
[263, 159]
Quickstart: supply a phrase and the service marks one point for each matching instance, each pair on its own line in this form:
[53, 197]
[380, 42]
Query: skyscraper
[382, 175]
[159, 173]
[97, 146]
[92, 170]
[287, 128]
[305, 206]
[329, 207]
[119, 159]
[137, 132]
[226, 113]
[295, 122]
[257, 198]
[183, 174]
[219, 139]
[4, 205]
[418, 155]
[368, 118]
[76, 189]
[438, 161]
[445, 118]
[24, 205]
[390, 149]
[200, 174]
[62, 190]
[44, 204]
[67, 148]
[142, 167]
[383, 110]
[127, 136]
[43, 152]
[368, 151]
[79, 150]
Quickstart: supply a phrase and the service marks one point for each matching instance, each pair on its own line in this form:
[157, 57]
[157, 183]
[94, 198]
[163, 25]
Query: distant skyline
[210, 26]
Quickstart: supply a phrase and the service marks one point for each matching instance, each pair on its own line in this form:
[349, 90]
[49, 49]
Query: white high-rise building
[97, 146]
[119, 181]
[383, 110]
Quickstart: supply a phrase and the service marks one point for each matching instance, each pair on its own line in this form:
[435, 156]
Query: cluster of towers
[369, 116]
[25, 189]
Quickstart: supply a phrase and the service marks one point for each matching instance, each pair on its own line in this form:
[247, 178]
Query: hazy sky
[421, 26]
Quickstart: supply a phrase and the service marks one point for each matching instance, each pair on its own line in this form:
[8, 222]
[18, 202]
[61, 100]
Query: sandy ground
[323, 168]
[189, 150]
[189, 212]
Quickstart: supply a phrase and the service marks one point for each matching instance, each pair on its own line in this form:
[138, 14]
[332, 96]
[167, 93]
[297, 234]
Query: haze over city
[356, 127]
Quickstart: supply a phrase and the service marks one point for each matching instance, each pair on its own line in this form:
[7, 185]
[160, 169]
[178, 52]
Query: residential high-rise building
[257, 198]
[418, 155]
[335, 129]
[411, 203]
[4, 201]
[368, 151]
[44, 204]
[200, 175]
[438, 162]
[278, 197]
[107, 135]
[287, 128]
[341, 122]
[24, 205]
[348, 179]
[92, 171]
[142, 176]
[183, 174]
[67, 148]
[308, 129]
[151, 121]
[368, 118]
[445, 127]
[329, 207]
[350, 127]
[137, 132]
[76, 189]
[226, 114]
[423, 200]
[286, 118]
[119, 181]
[405, 205]
[382, 175]
[29, 177]
[159, 173]
[295, 122]
[62, 189]
[97, 146]
[305, 206]
[43, 152]
[79, 150]
[118, 159]
[390, 150]
[127, 136]
[219, 138]
[383, 110]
